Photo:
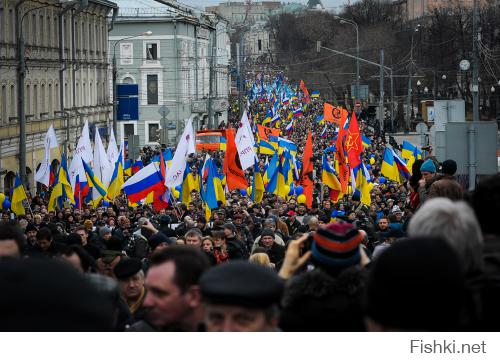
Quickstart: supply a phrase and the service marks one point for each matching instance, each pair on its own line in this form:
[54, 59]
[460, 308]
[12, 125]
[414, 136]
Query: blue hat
[428, 166]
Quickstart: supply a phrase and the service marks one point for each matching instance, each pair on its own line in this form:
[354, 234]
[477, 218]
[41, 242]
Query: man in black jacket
[275, 252]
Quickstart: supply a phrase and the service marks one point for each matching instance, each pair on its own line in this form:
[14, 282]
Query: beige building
[80, 72]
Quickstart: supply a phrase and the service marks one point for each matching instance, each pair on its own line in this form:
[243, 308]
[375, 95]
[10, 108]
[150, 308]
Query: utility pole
[238, 68]
[475, 97]
[408, 98]
[381, 100]
[409, 95]
[210, 82]
[242, 76]
[319, 47]
[21, 74]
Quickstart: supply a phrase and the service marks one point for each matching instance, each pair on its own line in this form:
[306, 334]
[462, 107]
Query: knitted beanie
[449, 167]
[337, 245]
[428, 166]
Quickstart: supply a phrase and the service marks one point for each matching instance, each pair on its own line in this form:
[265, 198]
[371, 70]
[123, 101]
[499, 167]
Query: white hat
[396, 210]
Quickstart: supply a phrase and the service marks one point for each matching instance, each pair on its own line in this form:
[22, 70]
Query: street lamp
[443, 77]
[115, 73]
[419, 109]
[353, 23]
[21, 75]
[409, 97]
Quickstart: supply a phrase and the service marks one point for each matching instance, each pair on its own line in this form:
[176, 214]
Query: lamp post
[353, 23]
[21, 75]
[409, 99]
[115, 73]
[419, 108]
[443, 77]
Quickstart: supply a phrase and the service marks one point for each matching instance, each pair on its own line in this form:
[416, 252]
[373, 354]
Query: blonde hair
[260, 258]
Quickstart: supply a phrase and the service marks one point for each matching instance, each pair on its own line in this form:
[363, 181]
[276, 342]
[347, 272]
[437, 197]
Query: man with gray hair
[269, 223]
[455, 223]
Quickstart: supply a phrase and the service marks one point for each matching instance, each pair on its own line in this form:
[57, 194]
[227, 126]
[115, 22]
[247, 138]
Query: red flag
[343, 168]
[235, 177]
[306, 177]
[159, 199]
[353, 142]
[305, 91]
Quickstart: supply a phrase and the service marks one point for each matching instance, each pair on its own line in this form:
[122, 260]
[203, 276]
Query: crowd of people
[424, 255]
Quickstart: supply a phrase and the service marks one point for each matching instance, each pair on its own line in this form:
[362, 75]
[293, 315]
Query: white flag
[84, 147]
[83, 151]
[43, 173]
[102, 168]
[122, 150]
[185, 147]
[112, 151]
[244, 143]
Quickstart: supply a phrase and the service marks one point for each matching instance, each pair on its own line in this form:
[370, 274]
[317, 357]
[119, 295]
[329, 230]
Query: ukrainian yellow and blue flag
[214, 192]
[18, 196]
[93, 180]
[389, 168]
[117, 180]
[328, 176]
[4, 201]
[366, 141]
[258, 184]
[62, 189]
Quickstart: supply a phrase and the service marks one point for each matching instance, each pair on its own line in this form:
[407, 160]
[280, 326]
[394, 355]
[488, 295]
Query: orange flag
[235, 177]
[305, 91]
[337, 115]
[306, 177]
[343, 168]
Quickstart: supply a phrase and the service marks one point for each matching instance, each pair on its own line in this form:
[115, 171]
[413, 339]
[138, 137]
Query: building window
[56, 94]
[42, 100]
[126, 53]
[128, 80]
[12, 22]
[27, 105]
[2, 25]
[152, 84]
[128, 129]
[49, 32]
[260, 45]
[35, 101]
[13, 110]
[51, 101]
[3, 105]
[42, 30]
[151, 51]
[152, 129]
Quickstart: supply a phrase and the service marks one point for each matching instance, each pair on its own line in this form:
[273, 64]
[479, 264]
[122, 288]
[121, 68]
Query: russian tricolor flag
[137, 165]
[297, 112]
[142, 183]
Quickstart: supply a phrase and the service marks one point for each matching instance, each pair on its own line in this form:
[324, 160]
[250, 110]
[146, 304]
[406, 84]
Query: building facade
[258, 43]
[181, 67]
[65, 82]
[245, 12]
